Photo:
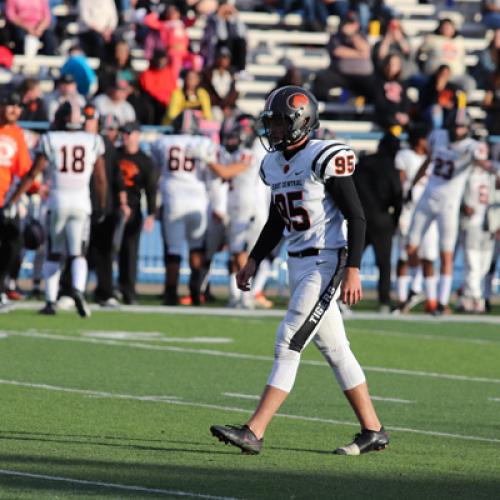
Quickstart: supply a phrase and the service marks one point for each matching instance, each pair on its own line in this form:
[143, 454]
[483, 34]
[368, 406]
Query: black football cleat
[240, 436]
[82, 307]
[48, 309]
[364, 442]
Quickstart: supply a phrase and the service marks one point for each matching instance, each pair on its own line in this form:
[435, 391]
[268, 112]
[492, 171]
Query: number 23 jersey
[71, 157]
[451, 165]
[311, 217]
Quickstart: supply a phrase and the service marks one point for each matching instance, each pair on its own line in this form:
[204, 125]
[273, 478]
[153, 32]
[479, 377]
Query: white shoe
[66, 303]
[5, 303]
[110, 303]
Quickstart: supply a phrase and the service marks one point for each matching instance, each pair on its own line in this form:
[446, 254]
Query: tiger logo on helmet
[290, 114]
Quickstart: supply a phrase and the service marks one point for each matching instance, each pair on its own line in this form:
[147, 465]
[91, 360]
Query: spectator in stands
[191, 96]
[66, 90]
[32, 105]
[30, 19]
[337, 8]
[78, 66]
[114, 102]
[220, 84]
[97, 20]
[379, 188]
[168, 32]
[118, 66]
[6, 61]
[292, 76]
[314, 13]
[391, 100]
[445, 46]
[491, 103]
[491, 13]
[351, 66]
[368, 10]
[103, 230]
[158, 82]
[139, 177]
[224, 28]
[438, 99]
[489, 61]
[394, 41]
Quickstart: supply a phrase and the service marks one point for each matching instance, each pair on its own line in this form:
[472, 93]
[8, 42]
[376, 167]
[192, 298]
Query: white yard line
[87, 392]
[276, 313]
[392, 400]
[116, 486]
[256, 398]
[497, 400]
[240, 396]
[251, 357]
[424, 336]
[155, 337]
[194, 404]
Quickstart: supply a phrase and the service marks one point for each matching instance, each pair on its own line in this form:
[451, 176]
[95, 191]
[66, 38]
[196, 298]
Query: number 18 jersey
[71, 157]
[312, 219]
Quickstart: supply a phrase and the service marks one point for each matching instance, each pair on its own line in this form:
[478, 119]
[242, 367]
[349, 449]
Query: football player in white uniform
[453, 155]
[237, 136]
[70, 156]
[478, 239]
[182, 159]
[312, 197]
[408, 161]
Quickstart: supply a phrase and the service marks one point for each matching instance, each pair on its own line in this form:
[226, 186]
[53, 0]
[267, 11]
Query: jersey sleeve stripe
[327, 160]
[324, 150]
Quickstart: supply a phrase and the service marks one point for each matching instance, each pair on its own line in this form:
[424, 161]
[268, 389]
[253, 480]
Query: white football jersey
[452, 163]
[241, 194]
[71, 157]
[477, 196]
[311, 217]
[183, 162]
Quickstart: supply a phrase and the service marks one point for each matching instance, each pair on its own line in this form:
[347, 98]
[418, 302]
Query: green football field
[120, 405]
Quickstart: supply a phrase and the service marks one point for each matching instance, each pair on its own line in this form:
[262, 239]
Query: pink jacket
[30, 12]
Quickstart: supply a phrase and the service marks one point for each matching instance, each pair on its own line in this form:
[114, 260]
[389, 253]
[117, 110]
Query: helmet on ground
[290, 114]
[33, 235]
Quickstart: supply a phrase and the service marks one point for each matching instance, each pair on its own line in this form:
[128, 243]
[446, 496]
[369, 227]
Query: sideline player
[237, 136]
[408, 161]
[477, 237]
[182, 159]
[71, 156]
[453, 155]
[312, 196]
[15, 162]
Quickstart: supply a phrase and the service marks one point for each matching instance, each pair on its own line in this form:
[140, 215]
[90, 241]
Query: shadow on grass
[239, 477]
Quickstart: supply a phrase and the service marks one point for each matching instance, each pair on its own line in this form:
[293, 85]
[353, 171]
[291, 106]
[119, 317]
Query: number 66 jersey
[312, 219]
[71, 157]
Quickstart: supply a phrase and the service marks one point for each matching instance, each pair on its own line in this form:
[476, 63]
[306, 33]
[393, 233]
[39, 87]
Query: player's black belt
[308, 252]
